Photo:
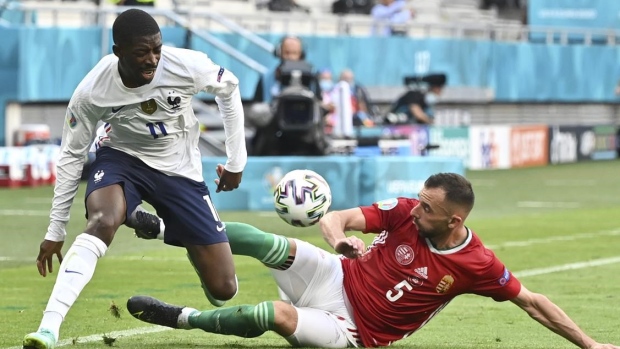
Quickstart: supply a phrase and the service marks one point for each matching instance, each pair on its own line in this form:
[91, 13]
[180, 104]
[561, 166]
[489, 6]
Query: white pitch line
[24, 213]
[570, 182]
[114, 334]
[569, 266]
[529, 242]
[548, 204]
[519, 274]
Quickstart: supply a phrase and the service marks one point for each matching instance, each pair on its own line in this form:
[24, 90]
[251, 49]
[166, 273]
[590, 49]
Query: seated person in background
[390, 17]
[326, 84]
[416, 105]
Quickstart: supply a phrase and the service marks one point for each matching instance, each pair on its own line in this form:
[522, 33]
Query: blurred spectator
[347, 106]
[134, 3]
[360, 104]
[340, 120]
[417, 105]
[290, 48]
[326, 83]
[352, 6]
[390, 17]
[282, 6]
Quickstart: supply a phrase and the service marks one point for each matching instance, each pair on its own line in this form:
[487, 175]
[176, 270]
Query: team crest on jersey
[404, 254]
[386, 205]
[149, 106]
[174, 100]
[445, 284]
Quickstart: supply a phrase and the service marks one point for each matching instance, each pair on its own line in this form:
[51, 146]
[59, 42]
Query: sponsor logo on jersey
[149, 106]
[99, 176]
[386, 205]
[116, 110]
[174, 100]
[445, 284]
[219, 74]
[505, 278]
[404, 254]
[422, 271]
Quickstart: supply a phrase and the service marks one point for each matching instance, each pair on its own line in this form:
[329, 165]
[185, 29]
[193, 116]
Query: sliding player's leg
[299, 326]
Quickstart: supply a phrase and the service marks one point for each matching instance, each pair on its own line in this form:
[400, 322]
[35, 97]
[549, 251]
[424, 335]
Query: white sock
[183, 320]
[74, 273]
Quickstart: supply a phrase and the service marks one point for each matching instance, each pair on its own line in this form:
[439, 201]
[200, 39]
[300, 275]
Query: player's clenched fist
[350, 247]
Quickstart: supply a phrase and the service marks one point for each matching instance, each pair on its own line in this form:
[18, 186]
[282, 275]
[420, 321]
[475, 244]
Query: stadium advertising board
[581, 143]
[605, 140]
[529, 145]
[385, 177]
[452, 141]
[594, 14]
[262, 174]
[489, 147]
[417, 135]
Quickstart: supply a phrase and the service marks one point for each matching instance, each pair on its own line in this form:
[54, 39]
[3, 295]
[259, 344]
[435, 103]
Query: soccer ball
[302, 197]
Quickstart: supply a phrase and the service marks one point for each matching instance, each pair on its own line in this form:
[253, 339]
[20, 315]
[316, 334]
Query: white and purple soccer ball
[302, 197]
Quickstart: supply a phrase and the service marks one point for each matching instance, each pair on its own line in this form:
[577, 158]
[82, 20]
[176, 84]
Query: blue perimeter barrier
[353, 180]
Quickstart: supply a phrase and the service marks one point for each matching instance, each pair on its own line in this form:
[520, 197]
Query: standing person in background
[359, 100]
[144, 92]
[390, 17]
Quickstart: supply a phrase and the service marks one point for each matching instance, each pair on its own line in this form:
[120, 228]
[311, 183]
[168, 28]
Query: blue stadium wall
[46, 64]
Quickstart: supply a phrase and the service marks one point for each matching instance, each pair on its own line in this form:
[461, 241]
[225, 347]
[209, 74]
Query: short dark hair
[132, 24]
[457, 188]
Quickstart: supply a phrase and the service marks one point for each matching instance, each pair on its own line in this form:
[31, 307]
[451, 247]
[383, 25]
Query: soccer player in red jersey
[422, 257]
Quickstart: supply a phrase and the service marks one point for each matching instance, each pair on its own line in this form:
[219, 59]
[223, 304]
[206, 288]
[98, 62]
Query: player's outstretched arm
[333, 226]
[541, 309]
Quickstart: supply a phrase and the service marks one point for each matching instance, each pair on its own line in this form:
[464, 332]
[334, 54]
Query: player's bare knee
[225, 289]
[102, 226]
[292, 251]
[285, 318]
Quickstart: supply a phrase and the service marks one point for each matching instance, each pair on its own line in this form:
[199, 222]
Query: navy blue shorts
[184, 205]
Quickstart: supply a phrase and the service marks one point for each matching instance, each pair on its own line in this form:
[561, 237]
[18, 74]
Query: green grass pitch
[534, 219]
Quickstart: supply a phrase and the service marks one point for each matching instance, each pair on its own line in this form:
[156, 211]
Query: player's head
[290, 49]
[445, 201]
[137, 44]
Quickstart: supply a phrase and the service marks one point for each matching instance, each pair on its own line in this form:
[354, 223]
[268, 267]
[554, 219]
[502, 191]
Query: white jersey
[154, 122]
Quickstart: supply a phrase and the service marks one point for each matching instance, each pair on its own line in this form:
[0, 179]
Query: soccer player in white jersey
[422, 257]
[143, 92]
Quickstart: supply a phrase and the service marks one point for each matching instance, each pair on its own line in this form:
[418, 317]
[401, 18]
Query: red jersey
[402, 281]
